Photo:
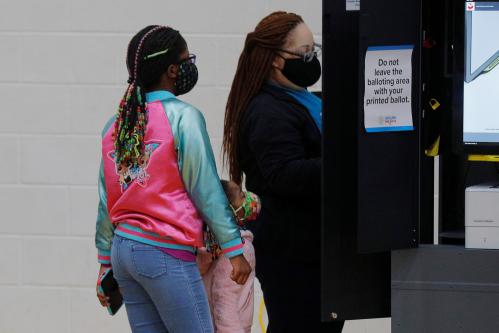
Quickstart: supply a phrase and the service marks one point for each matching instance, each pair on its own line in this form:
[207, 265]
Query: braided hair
[150, 52]
[254, 67]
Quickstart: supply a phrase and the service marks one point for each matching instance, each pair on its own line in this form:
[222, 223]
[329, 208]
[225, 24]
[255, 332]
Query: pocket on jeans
[148, 261]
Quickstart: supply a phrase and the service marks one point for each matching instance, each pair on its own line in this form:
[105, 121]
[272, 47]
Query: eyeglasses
[190, 59]
[308, 56]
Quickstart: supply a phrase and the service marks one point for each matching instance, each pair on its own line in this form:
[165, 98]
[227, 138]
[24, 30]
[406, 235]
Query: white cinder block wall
[62, 73]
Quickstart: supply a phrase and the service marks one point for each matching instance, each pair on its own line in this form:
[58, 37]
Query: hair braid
[254, 67]
[131, 120]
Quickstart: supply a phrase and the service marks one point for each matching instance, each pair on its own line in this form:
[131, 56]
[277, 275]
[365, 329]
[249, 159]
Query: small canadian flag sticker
[470, 6]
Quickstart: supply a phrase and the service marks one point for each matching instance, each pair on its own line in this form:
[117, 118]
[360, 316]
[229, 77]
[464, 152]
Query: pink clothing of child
[231, 304]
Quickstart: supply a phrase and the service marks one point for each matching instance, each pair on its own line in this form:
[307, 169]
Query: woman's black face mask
[303, 74]
[305, 70]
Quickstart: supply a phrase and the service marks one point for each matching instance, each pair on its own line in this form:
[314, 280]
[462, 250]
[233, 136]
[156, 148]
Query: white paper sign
[388, 89]
[352, 5]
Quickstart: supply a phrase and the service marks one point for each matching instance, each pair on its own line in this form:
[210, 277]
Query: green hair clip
[156, 54]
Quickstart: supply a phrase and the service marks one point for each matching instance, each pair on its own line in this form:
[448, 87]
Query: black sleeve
[275, 138]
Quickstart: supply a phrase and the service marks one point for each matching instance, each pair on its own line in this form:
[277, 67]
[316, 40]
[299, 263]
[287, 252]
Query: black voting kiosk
[377, 227]
[371, 181]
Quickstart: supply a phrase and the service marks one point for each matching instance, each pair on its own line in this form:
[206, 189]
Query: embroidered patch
[135, 174]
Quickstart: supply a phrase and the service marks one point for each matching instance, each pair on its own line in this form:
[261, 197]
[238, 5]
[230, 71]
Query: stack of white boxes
[482, 216]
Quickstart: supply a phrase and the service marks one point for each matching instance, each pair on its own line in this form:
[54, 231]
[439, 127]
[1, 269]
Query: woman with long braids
[272, 136]
[158, 183]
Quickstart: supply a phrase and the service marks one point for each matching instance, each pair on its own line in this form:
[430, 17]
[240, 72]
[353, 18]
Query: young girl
[158, 183]
[231, 304]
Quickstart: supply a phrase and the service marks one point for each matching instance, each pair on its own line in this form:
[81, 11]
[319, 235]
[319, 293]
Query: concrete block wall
[62, 74]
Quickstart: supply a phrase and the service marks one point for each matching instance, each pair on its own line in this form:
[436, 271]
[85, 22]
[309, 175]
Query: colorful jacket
[165, 202]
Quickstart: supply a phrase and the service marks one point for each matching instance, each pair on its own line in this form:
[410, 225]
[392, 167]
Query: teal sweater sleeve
[104, 228]
[199, 173]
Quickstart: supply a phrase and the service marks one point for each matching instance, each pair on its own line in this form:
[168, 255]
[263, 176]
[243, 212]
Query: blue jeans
[162, 294]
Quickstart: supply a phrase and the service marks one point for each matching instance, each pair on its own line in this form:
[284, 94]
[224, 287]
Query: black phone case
[111, 289]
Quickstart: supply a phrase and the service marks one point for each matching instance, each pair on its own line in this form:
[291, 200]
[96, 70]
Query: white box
[482, 216]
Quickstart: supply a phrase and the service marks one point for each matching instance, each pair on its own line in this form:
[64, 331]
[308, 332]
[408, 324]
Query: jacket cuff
[233, 248]
[104, 257]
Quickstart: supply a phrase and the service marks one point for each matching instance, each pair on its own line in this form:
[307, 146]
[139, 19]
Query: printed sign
[388, 89]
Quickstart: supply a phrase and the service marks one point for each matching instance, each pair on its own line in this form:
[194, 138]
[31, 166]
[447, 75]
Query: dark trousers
[292, 296]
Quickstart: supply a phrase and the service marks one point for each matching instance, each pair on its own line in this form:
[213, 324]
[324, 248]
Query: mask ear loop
[236, 211]
[246, 206]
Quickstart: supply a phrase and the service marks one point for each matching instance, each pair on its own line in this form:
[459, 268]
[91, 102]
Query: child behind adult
[231, 304]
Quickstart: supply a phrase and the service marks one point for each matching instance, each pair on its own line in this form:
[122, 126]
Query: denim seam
[193, 297]
[118, 246]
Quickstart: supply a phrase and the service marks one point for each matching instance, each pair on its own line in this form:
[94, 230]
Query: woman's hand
[241, 269]
[104, 301]
[204, 260]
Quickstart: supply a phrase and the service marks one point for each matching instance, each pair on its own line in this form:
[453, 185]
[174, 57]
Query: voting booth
[407, 89]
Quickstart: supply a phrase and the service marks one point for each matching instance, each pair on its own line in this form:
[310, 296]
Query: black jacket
[280, 154]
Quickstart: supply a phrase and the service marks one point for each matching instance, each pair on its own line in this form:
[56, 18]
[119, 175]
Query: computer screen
[481, 76]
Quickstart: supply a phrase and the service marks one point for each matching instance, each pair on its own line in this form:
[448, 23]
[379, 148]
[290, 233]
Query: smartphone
[109, 287]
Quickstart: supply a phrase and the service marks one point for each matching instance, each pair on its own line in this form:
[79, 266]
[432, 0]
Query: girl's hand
[204, 260]
[104, 301]
[241, 269]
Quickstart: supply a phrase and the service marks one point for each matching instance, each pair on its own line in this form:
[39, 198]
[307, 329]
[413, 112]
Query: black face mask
[303, 74]
[187, 78]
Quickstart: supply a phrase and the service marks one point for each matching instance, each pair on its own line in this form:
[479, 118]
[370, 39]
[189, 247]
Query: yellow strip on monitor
[483, 158]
